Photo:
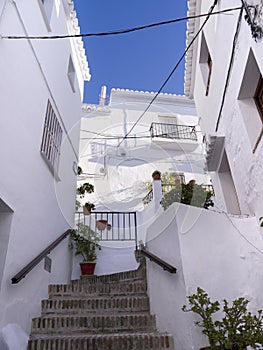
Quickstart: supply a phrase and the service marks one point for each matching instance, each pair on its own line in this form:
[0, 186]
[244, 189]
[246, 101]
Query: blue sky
[141, 60]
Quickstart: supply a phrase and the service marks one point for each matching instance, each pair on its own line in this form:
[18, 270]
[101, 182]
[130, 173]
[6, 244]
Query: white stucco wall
[240, 122]
[40, 208]
[221, 254]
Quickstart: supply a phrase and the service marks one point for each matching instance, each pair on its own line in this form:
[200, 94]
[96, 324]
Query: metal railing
[110, 226]
[165, 265]
[173, 131]
[166, 188]
[25, 270]
[148, 198]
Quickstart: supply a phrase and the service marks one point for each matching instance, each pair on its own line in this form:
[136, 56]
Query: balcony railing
[169, 187]
[148, 198]
[173, 131]
[111, 226]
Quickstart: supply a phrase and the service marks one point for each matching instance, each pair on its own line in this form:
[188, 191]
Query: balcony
[174, 136]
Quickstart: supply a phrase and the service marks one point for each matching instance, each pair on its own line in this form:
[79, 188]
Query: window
[205, 61]
[46, 7]
[51, 140]
[71, 74]
[251, 101]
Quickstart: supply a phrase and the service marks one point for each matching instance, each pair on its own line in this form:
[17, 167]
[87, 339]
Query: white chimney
[103, 92]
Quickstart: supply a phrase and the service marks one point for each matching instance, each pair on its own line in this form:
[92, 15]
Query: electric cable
[171, 73]
[229, 67]
[116, 32]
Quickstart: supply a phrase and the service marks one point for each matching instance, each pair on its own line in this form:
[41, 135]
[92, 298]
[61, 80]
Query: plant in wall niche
[190, 193]
[86, 243]
[238, 327]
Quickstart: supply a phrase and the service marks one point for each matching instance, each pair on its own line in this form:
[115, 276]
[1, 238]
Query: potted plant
[237, 329]
[86, 187]
[101, 224]
[156, 175]
[86, 243]
[87, 207]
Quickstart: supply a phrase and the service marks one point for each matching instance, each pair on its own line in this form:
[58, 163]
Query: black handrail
[157, 260]
[22, 273]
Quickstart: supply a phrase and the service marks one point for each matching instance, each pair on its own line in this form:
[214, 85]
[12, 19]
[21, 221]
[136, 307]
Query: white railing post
[157, 190]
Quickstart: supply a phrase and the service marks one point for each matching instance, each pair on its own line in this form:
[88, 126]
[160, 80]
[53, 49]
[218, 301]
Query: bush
[237, 329]
[191, 194]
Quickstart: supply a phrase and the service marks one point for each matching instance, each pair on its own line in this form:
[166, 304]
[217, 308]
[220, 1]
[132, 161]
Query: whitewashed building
[220, 249]
[120, 145]
[224, 76]
[41, 93]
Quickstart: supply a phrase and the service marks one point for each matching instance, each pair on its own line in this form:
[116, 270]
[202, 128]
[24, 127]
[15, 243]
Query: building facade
[220, 249]
[42, 88]
[224, 76]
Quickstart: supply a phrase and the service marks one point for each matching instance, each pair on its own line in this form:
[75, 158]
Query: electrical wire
[116, 32]
[229, 67]
[171, 73]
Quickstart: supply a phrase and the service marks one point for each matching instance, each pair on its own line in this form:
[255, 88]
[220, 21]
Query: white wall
[236, 123]
[43, 208]
[221, 254]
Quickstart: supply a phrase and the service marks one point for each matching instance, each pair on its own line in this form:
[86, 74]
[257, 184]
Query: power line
[117, 32]
[233, 51]
[171, 73]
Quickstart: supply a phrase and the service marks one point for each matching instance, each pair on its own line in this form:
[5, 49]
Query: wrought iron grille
[173, 131]
[111, 226]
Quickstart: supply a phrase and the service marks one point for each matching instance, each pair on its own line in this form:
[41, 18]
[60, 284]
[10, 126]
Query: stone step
[126, 276]
[86, 289]
[106, 304]
[138, 341]
[94, 324]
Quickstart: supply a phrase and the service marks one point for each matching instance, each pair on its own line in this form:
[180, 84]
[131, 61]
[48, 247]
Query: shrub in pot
[88, 206]
[86, 243]
[237, 329]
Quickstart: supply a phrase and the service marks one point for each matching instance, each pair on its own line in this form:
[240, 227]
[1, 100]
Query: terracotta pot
[101, 224]
[87, 268]
[86, 209]
[156, 176]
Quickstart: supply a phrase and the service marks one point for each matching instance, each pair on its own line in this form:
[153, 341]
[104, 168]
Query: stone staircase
[109, 312]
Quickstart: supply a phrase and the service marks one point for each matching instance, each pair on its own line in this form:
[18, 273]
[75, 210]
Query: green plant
[85, 188]
[90, 205]
[86, 242]
[190, 193]
[77, 204]
[237, 329]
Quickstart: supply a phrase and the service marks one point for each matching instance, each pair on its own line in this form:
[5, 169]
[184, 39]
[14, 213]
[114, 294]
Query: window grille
[52, 137]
